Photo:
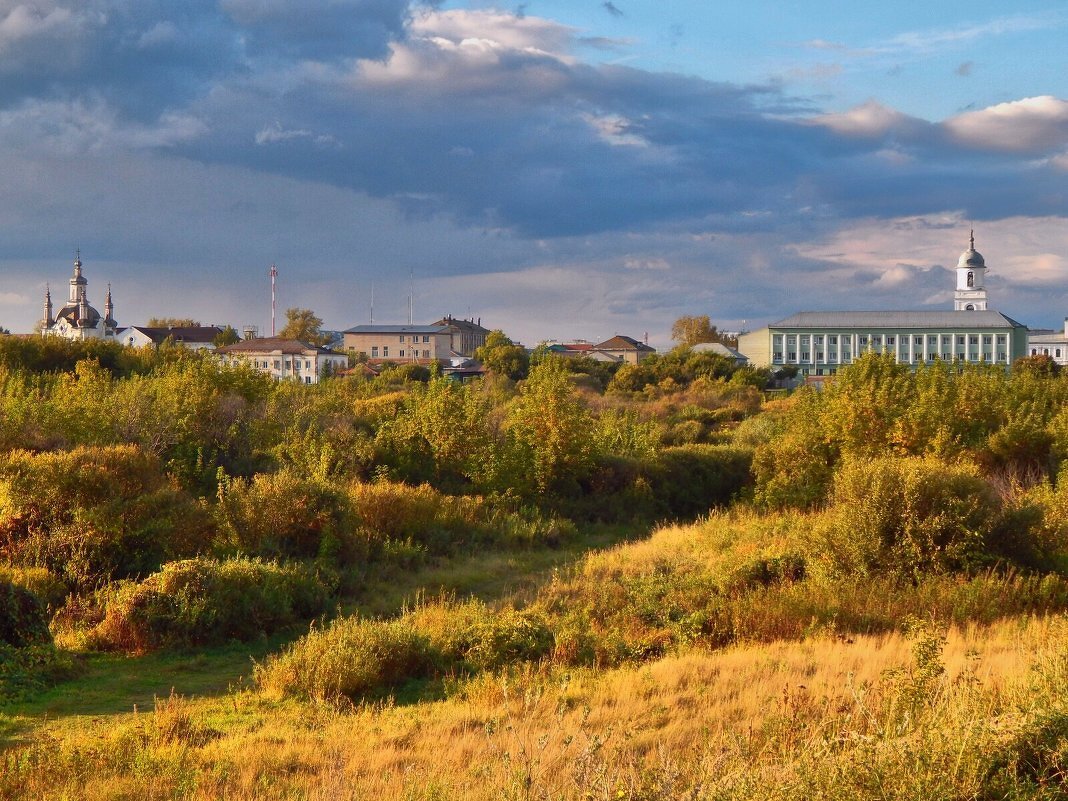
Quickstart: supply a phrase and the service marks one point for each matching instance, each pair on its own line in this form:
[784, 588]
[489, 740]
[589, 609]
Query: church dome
[71, 313]
[971, 257]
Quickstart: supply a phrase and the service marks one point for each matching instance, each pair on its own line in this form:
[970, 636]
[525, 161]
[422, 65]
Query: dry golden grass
[762, 721]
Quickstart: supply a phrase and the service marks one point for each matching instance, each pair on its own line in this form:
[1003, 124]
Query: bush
[23, 621]
[907, 516]
[351, 658]
[92, 514]
[284, 515]
[40, 581]
[203, 600]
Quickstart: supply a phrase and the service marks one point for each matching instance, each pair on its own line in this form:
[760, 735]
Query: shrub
[42, 582]
[23, 621]
[95, 513]
[351, 658]
[908, 515]
[282, 514]
[690, 479]
[203, 600]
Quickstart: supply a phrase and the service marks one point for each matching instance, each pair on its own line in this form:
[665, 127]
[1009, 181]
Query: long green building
[818, 343]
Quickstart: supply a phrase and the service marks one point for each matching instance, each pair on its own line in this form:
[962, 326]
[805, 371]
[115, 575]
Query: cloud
[1030, 125]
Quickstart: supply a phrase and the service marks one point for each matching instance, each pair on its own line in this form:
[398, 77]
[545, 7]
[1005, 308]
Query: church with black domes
[76, 319]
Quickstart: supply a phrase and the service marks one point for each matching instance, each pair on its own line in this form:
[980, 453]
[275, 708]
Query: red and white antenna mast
[274, 274]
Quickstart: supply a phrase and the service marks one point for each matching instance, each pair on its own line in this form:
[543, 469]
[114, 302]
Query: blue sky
[556, 168]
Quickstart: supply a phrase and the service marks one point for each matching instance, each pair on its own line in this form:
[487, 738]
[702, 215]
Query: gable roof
[620, 342]
[200, 333]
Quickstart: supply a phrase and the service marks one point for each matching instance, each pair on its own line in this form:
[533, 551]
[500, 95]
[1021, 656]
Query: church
[818, 343]
[76, 319]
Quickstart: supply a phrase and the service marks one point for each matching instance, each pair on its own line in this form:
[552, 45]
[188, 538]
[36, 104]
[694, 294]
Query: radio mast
[274, 274]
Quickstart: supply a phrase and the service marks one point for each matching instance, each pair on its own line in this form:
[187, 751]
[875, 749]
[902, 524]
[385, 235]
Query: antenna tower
[274, 274]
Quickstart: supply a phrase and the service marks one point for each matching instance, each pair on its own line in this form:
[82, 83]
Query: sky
[558, 169]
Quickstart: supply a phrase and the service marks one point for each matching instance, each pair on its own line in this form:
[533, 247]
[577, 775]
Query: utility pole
[274, 275]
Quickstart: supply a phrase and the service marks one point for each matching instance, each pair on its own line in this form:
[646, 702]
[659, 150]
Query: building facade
[420, 344]
[284, 359]
[76, 319]
[1050, 343]
[201, 337]
[466, 336]
[818, 343]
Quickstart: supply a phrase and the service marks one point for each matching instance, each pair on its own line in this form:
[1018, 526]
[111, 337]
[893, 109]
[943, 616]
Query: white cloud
[1030, 124]
[871, 119]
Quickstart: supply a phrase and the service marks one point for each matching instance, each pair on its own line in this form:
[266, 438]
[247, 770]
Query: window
[889, 340]
[307, 379]
[987, 339]
[402, 337]
[973, 339]
[1057, 353]
[932, 356]
[971, 278]
[426, 339]
[401, 354]
[832, 339]
[374, 351]
[805, 356]
[777, 357]
[960, 340]
[1001, 339]
[1034, 351]
[945, 357]
[426, 354]
[277, 364]
[918, 341]
[792, 356]
[1001, 356]
[817, 340]
[385, 351]
[862, 340]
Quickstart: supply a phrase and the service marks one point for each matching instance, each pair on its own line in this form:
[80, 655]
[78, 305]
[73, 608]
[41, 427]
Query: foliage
[228, 336]
[906, 516]
[281, 514]
[693, 330]
[172, 322]
[202, 600]
[95, 513]
[303, 325]
[502, 356]
[22, 617]
[550, 430]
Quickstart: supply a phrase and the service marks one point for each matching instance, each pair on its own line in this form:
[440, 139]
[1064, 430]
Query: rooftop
[926, 320]
[272, 345]
[396, 329]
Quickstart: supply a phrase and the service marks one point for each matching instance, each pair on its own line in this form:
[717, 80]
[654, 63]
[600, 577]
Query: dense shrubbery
[200, 601]
[907, 515]
[353, 658]
[95, 513]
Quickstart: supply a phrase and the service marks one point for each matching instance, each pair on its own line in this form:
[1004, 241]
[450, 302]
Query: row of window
[1045, 352]
[415, 338]
[412, 353]
[878, 340]
[832, 357]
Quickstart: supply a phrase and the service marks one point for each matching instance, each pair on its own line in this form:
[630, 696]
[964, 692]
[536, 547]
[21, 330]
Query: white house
[200, 337]
[284, 358]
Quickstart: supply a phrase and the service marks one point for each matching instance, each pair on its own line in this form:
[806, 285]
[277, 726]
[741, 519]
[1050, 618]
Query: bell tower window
[971, 278]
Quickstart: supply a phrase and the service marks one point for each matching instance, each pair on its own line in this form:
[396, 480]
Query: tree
[228, 336]
[502, 356]
[304, 325]
[692, 331]
[172, 322]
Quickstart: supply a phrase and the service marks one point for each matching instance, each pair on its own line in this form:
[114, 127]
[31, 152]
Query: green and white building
[818, 343]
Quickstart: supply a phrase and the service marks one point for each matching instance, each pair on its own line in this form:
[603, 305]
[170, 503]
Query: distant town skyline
[559, 168]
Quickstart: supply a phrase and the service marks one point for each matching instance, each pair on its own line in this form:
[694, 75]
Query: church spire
[109, 309]
[47, 320]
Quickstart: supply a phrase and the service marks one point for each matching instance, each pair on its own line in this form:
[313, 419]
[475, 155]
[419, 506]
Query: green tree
[502, 356]
[172, 322]
[551, 429]
[304, 325]
[693, 330]
[228, 336]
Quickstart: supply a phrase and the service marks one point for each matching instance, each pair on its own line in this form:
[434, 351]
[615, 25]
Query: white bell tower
[971, 280]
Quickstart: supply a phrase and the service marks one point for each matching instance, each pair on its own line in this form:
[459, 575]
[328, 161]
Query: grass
[827, 717]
